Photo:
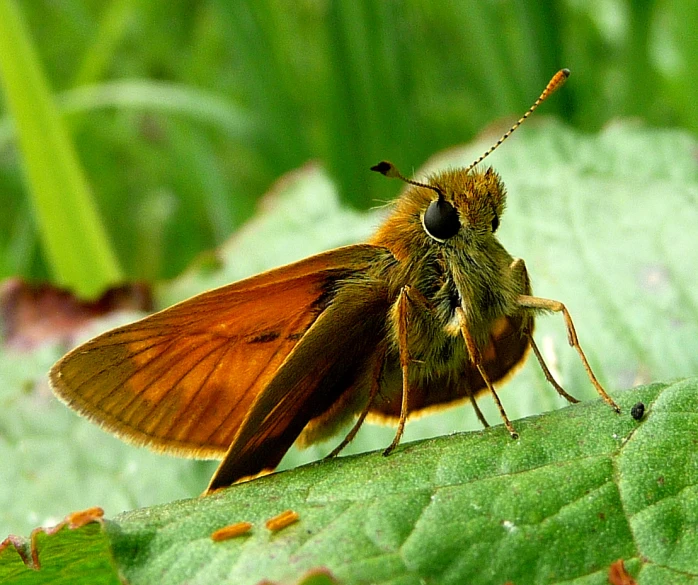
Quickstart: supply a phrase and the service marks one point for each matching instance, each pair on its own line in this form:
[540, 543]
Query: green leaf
[581, 488]
[562, 503]
[68, 556]
[606, 224]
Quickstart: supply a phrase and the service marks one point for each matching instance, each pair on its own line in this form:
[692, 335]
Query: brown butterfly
[431, 311]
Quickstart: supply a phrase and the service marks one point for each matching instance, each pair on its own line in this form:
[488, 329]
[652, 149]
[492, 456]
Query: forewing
[183, 380]
[335, 361]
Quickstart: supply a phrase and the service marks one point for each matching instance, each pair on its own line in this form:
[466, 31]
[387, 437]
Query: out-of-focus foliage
[183, 113]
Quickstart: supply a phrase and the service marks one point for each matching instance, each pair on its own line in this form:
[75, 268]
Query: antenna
[390, 170]
[554, 84]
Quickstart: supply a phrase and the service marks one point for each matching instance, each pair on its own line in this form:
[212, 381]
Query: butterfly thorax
[470, 270]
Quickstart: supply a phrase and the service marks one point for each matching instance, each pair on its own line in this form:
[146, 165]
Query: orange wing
[183, 380]
[337, 357]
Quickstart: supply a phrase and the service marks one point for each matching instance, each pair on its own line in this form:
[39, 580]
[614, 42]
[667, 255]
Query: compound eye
[441, 220]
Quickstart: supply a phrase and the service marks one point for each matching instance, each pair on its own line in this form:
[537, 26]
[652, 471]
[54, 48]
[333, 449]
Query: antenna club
[556, 82]
[390, 170]
[386, 168]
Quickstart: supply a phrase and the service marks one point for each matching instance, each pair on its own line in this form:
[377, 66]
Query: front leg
[410, 305]
[406, 301]
[476, 358]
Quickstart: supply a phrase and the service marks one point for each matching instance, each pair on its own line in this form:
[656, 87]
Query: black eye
[441, 220]
[495, 223]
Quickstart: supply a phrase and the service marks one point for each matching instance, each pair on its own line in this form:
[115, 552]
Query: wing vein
[260, 372]
[178, 418]
[174, 360]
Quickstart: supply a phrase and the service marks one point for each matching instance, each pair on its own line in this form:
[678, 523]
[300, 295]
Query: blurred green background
[182, 114]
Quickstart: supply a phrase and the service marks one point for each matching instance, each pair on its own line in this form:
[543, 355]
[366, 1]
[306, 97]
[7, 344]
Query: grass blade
[75, 242]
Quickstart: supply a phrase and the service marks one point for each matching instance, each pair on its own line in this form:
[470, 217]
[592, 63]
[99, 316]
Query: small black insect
[638, 411]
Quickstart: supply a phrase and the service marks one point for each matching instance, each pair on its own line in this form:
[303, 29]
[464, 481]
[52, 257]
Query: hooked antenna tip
[387, 168]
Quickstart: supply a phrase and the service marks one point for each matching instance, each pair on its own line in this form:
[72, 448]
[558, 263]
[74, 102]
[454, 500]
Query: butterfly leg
[410, 301]
[518, 269]
[375, 385]
[476, 358]
[546, 371]
[530, 302]
[420, 304]
[478, 412]
[404, 302]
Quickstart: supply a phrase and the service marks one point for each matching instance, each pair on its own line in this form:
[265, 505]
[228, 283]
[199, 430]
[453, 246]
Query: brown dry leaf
[617, 575]
[32, 314]
[27, 548]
